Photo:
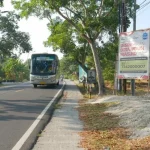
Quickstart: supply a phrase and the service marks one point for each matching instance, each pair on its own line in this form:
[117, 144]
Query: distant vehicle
[44, 69]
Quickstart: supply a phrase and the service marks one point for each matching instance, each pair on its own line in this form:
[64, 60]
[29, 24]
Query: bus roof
[48, 54]
[43, 54]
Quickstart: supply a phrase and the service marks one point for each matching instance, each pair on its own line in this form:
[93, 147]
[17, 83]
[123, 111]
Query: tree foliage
[11, 39]
[68, 67]
[64, 38]
[108, 55]
[14, 69]
[1, 2]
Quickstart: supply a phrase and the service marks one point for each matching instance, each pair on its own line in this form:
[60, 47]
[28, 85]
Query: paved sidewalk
[61, 133]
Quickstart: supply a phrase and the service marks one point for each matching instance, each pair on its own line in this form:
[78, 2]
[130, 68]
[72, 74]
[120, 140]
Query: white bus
[44, 69]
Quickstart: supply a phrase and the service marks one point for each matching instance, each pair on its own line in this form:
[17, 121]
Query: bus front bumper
[42, 80]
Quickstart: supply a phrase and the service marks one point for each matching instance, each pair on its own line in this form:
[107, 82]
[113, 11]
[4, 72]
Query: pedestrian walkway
[61, 133]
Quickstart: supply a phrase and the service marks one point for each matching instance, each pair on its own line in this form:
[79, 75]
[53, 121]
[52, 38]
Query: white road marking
[11, 91]
[22, 140]
[19, 90]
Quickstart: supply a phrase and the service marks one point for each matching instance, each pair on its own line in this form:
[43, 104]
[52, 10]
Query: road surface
[20, 105]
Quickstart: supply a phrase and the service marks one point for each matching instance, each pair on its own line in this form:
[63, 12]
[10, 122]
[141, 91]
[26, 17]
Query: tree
[26, 69]
[70, 64]
[89, 19]
[11, 38]
[15, 70]
[108, 61]
[1, 2]
[2, 74]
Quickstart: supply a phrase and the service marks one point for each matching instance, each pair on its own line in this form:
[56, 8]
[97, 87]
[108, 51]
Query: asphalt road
[20, 105]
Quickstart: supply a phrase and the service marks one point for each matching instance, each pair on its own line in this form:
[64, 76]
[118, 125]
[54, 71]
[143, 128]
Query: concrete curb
[45, 120]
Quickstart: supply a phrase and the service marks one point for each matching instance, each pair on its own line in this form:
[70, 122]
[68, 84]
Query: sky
[38, 31]
[142, 16]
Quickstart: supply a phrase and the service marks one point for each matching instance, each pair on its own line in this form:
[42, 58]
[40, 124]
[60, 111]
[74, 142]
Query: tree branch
[71, 22]
[70, 10]
[4, 12]
[74, 25]
[110, 11]
[82, 23]
[85, 10]
[97, 34]
[100, 8]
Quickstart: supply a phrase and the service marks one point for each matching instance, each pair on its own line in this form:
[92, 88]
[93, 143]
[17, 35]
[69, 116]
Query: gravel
[133, 111]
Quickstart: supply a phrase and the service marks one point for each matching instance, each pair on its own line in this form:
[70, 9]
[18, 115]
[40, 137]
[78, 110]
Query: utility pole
[124, 29]
[122, 22]
[119, 81]
[134, 16]
[134, 28]
[123, 26]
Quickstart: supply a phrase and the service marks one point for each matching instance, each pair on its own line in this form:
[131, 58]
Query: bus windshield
[43, 64]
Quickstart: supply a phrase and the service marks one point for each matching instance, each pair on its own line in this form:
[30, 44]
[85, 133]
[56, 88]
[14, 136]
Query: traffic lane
[18, 111]
[15, 87]
[12, 88]
[21, 86]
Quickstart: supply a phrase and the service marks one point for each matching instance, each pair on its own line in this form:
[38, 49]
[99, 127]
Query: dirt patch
[116, 123]
[133, 112]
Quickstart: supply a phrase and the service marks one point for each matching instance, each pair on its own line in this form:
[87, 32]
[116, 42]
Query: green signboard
[134, 65]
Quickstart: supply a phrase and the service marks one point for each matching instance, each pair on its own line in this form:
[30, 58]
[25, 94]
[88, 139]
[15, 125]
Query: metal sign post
[91, 79]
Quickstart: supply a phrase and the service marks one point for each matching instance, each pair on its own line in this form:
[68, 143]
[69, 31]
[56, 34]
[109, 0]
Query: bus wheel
[35, 85]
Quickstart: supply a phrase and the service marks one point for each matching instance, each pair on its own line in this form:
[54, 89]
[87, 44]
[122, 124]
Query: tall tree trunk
[99, 72]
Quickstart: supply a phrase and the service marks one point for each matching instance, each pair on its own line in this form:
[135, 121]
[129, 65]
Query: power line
[143, 7]
[143, 2]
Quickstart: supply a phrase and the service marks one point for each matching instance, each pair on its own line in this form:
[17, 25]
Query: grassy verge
[102, 130]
